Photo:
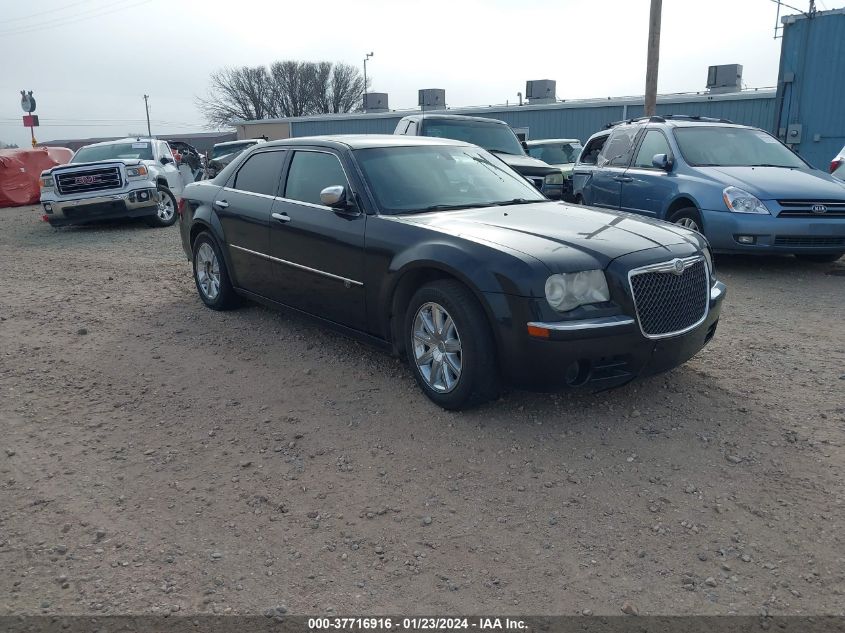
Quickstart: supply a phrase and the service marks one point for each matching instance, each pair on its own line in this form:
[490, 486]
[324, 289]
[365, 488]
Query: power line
[56, 10]
[63, 22]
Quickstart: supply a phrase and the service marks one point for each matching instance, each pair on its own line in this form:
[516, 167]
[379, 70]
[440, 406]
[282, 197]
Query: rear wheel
[450, 346]
[210, 274]
[689, 218]
[819, 258]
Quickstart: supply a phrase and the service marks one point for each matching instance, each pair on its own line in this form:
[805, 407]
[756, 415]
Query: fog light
[143, 195]
[746, 239]
[48, 208]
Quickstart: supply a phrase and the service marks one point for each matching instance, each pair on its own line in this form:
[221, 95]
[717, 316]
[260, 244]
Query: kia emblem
[819, 208]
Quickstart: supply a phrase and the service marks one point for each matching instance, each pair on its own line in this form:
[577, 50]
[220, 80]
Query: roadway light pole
[653, 57]
[147, 108]
[363, 97]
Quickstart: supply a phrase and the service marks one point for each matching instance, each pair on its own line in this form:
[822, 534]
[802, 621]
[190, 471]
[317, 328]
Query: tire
[210, 274]
[689, 218]
[463, 328]
[579, 199]
[165, 211]
[827, 258]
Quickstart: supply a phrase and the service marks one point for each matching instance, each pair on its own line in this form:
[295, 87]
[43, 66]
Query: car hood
[526, 165]
[565, 237]
[779, 183]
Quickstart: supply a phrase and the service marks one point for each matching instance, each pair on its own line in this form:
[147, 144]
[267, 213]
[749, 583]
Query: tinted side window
[310, 173]
[617, 150]
[260, 173]
[653, 143]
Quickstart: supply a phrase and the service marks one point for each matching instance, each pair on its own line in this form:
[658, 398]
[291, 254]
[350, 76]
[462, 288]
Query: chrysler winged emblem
[678, 266]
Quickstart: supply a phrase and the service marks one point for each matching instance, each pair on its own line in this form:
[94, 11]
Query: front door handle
[623, 179]
[221, 204]
[281, 217]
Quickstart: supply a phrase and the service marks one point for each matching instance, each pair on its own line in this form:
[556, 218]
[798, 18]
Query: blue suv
[738, 185]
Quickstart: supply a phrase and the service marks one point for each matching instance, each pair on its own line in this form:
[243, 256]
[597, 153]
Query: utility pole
[653, 57]
[147, 108]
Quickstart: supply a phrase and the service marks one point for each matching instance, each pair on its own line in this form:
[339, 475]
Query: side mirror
[661, 161]
[166, 161]
[524, 146]
[334, 197]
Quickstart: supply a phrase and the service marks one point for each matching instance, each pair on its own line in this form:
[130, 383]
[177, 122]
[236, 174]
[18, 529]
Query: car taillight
[835, 164]
[180, 206]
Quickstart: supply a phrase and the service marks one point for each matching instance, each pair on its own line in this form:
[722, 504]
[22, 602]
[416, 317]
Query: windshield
[494, 137]
[733, 147]
[556, 153]
[139, 150]
[224, 150]
[430, 178]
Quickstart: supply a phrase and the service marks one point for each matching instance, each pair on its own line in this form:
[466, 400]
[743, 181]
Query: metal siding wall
[814, 49]
[576, 122]
[363, 125]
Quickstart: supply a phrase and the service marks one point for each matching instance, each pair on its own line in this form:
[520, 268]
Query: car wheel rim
[437, 347]
[688, 223]
[165, 207]
[208, 272]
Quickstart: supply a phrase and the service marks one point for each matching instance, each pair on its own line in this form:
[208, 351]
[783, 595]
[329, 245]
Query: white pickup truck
[127, 178]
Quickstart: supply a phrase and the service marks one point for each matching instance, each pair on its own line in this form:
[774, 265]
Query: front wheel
[819, 258]
[689, 218]
[165, 210]
[450, 346]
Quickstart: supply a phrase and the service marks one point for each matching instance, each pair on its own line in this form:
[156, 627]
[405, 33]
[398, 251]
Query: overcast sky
[90, 61]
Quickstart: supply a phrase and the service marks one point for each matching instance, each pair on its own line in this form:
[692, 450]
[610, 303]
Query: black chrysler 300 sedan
[438, 251]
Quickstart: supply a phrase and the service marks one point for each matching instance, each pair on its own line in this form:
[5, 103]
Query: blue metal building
[810, 99]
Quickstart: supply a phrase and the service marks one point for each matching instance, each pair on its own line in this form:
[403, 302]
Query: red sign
[30, 120]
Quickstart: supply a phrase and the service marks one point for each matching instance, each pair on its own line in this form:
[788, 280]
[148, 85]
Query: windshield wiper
[451, 207]
[771, 165]
[504, 203]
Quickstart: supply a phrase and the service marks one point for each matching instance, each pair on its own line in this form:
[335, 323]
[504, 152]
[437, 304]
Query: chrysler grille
[671, 297]
[89, 180]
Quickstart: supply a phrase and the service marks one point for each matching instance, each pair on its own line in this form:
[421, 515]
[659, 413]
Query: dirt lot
[158, 456]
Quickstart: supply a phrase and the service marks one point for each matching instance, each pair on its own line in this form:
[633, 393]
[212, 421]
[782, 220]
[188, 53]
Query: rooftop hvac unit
[375, 102]
[724, 78]
[432, 98]
[541, 90]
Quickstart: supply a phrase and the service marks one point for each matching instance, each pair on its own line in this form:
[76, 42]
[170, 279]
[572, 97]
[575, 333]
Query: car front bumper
[769, 234]
[596, 354]
[133, 204]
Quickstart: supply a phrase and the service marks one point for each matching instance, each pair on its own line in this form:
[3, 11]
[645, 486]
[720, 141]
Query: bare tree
[238, 93]
[290, 88]
[293, 87]
[341, 90]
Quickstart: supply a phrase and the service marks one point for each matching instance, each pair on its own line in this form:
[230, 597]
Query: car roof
[546, 141]
[239, 142]
[363, 141]
[452, 117]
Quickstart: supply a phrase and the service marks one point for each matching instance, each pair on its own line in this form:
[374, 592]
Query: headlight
[553, 179]
[567, 291]
[740, 201]
[46, 182]
[135, 172]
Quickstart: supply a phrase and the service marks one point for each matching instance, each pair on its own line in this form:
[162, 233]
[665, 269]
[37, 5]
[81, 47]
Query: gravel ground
[161, 457]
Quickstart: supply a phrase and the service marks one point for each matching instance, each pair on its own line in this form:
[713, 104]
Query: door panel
[612, 162]
[649, 188]
[244, 211]
[318, 252]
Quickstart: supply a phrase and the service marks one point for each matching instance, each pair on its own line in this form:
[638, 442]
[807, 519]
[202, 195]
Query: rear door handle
[281, 217]
[221, 204]
[623, 179]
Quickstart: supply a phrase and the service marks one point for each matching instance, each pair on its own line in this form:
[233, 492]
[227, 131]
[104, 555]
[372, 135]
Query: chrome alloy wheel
[208, 271]
[437, 347]
[688, 223]
[165, 210]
